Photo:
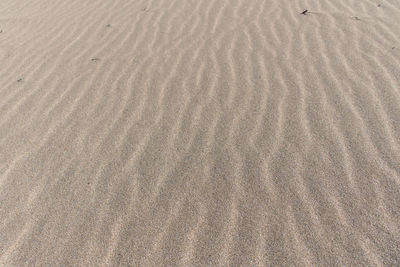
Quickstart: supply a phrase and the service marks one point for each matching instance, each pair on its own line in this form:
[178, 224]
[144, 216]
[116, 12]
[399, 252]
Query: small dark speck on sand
[144, 9]
[1, 31]
[304, 12]
[379, 5]
[356, 18]
[393, 47]
[95, 59]
[108, 25]
[19, 80]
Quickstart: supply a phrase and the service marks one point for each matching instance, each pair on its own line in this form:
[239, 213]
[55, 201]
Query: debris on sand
[304, 12]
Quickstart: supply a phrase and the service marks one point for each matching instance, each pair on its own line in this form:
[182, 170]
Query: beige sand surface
[199, 133]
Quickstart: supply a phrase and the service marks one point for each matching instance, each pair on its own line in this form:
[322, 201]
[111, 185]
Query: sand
[199, 133]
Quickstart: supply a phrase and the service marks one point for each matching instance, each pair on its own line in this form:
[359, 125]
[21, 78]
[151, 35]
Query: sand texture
[199, 133]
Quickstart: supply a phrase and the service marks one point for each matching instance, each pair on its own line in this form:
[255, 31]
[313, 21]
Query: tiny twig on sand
[304, 12]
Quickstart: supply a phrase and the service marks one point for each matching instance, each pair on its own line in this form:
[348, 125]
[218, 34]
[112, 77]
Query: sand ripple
[199, 133]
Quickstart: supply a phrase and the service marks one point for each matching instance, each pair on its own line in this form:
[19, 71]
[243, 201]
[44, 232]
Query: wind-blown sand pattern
[199, 133]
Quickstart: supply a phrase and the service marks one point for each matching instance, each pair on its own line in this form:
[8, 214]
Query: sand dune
[199, 133]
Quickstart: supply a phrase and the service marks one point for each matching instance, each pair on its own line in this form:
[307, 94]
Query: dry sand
[199, 133]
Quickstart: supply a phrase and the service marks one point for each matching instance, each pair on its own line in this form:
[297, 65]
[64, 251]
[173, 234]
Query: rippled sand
[199, 133]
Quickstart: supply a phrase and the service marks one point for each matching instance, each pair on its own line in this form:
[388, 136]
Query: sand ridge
[199, 133]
